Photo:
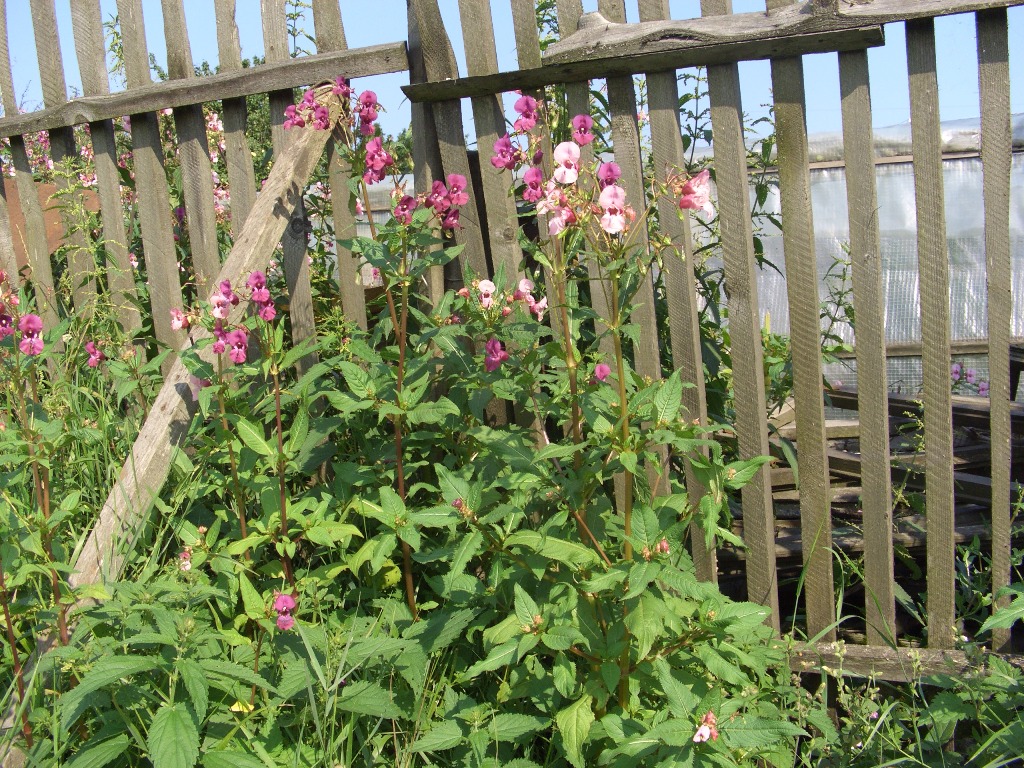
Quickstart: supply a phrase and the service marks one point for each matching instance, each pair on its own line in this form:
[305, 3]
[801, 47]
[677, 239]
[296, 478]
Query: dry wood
[165, 429]
[744, 321]
[8, 259]
[994, 77]
[835, 429]
[968, 411]
[680, 285]
[238, 157]
[357, 62]
[956, 347]
[933, 267]
[805, 331]
[88, 31]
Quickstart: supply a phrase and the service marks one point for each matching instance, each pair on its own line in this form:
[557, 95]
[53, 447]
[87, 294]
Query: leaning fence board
[439, 64]
[869, 303]
[91, 53]
[330, 36]
[933, 268]
[994, 79]
[744, 322]
[166, 427]
[151, 186]
[238, 157]
[805, 334]
[680, 287]
[296, 263]
[193, 155]
[489, 121]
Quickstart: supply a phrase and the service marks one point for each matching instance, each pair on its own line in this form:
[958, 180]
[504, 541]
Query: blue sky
[370, 23]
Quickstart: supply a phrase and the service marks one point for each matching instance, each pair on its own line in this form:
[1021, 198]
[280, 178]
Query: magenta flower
[581, 125]
[368, 99]
[220, 306]
[983, 388]
[696, 194]
[96, 355]
[534, 179]
[284, 602]
[608, 174]
[560, 219]
[341, 88]
[378, 160]
[526, 106]
[487, 289]
[524, 291]
[457, 189]
[438, 199]
[539, 307]
[613, 201]
[601, 372]
[404, 209]
[971, 375]
[31, 326]
[451, 219]
[567, 162]
[285, 621]
[292, 118]
[505, 154]
[238, 341]
[494, 355]
[321, 118]
[6, 325]
[954, 371]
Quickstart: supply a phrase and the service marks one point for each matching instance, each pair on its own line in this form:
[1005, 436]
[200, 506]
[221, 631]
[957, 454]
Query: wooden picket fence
[591, 46]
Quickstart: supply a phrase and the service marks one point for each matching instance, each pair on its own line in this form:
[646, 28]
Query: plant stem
[401, 335]
[236, 483]
[19, 673]
[286, 559]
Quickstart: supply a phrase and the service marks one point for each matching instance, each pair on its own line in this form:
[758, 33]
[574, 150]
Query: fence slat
[933, 268]
[151, 186]
[994, 86]
[489, 120]
[91, 53]
[805, 336]
[296, 265]
[241, 175]
[680, 288]
[330, 36]
[744, 322]
[193, 155]
[872, 378]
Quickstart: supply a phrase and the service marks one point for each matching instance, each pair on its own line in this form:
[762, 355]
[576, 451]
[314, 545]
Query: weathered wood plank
[489, 121]
[994, 79]
[241, 175]
[91, 53]
[8, 259]
[680, 287]
[165, 430]
[330, 36]
[524, 27]
[296, 263]
[439, 64]
[933, 267]
[805, 335]
[148, 97]
[869, 301]
[744, 321]
[151, 187]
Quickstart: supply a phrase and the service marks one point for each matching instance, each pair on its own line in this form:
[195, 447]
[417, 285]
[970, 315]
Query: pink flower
[505, 155]
[360, 210]
[284, 602]
[195, 385]
[292, 118]
[457, 189]
[524, 290]
[378, 160]
[971, 375]
[601, 372]
[341, 88]
[560, 219]
[267, 312]
[238, 340]
[608, 173]
[526, 106]
[983, 388]
[404, 209]
[219, 307]
[185, 559]
[285, 621]
[613, 200]
[486, 288]
[538, 308]
[368, 99]
[534, 178]
[708, 730]
[6, 325]
[954, 371]
[703, 734]
[438, 198]
[96, 355]
[567, 162]
[695, 194]
[31, 326]
[494, 355]
[321, 118]
[451, 219]
[581, 125]
[663, 547]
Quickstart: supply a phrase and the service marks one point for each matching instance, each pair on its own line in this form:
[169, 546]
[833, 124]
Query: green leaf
[574, 724]
[197, 686]
[252, 601]
[392, 505]
[563, 551]
[749, 732]
[739, 473]
[668, 398]
[253, 438]
[104, 672]
[365, 698]
[173, 740]
[509, 726]
[443, 735]
[499, 656]
[562, 637]
[629, 461]
[564, 675]
[218, 669]
[645, 623]
[432, 413]
[99, 754]
[526, 607]
[231, 759]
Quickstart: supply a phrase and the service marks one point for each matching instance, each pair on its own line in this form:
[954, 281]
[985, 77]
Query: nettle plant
[457, 539]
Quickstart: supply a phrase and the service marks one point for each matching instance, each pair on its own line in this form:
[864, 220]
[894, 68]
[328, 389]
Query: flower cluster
[310, 111]
[967, 381]
[284, 607]
[708, 729]
[494, 355]
[260, 296]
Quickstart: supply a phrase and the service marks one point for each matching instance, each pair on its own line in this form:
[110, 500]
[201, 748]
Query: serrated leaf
[432, 413]
[219, 668]
[253, 438]
[499, 656]
[252, 601]
[562, 637]
[645, 622]
[749, 732]
[104, 672]
[99, 754]
[197, 686]
[443, 735]
[574, 724]
[563, 673]
[173, 740]
[526, 607]
[509, 726]
[567, 552]
[231, 759]
[668, 399]
[365, 698]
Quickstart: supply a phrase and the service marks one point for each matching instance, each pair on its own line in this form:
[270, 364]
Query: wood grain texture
[148, 97]
[8, 259]
[744, 322]
[994, 79]
[869, 303]
[933, 268]
[296, 263]
[805, 336]
[489, 121]
[154, 203]
[238, 156]
[330, 36]
[164, 431]
[524, 27]
[439, 64]
[193, 155]
[680, 286]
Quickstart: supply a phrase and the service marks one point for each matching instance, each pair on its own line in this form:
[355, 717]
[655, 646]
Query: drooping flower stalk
[286, 559]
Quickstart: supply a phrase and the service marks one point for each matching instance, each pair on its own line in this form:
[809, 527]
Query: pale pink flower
[567, 162]
[601, 372]
[613, 201]
[538, 308]
[581, 125]
[179, 320]
[695, 194]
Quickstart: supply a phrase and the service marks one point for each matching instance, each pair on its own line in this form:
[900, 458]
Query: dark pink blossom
[292, 118]
[457, 189]
[31, 327]
[341, 88]
[284, 602]
[534, 179]
[494, 355]
[96, 355]
[378, 160]
[285, 621]
[451, 220]
[6, 325]
[695, 194]
[321, 118]
[505, 154]
[439, 199]
[608, 174]
[601, 372]
[581, 125]
[526, 106]
[404, 209]
[238, 341]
